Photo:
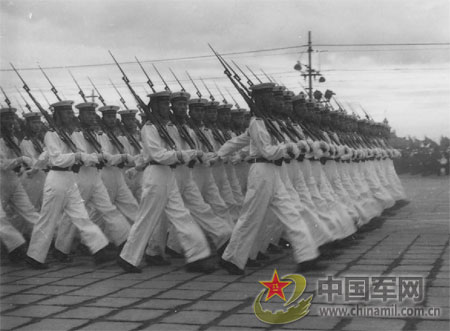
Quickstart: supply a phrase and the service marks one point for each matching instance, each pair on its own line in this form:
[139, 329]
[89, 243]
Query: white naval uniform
[14, 196]
[95, 196]
[217, 229]
[61, 196]
[115, 184]
[160, 196]
[266, 190]
[221, 178]
[34, 185]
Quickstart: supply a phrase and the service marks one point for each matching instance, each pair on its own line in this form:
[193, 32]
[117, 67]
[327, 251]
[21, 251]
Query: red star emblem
[275, 286]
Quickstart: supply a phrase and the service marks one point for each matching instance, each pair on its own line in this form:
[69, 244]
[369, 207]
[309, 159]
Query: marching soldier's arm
[234, 144]
[110, 153]
[263, 141]
[55, 149]
[40, 162]
[154, 149]
[89, 159]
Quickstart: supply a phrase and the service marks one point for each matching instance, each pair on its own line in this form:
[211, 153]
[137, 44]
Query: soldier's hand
[199, 154]
[30, 173]
[77, 157]
[26, 160]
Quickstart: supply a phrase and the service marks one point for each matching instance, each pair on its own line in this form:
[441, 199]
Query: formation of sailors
[208, 181]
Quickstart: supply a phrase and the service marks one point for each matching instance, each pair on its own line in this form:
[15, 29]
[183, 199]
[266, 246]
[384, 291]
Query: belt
[259, 160]
[157, 163]
[60, 169]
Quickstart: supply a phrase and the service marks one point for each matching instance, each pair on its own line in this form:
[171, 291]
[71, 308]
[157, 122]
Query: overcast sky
[410, 85]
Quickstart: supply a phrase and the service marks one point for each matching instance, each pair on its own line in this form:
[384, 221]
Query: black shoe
[274, 249]
[388, 213]
[173, 254]
[102, 256]
[35, 264]
[231, 268]
[17, 254]
[128, 267]
[61, 257]
[284, 243]
[253, 264]
[262, 257]
[205, 265]
[156, 260]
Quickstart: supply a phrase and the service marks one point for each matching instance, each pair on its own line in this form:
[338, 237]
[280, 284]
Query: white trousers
[61, 196]
[160, 196]
[266, 191]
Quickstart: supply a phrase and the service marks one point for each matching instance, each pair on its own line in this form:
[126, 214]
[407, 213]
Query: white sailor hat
[237, 111]
[159, 95]
[212, 104]
[278, 90]
[198, 101]
[86, 106]
[263, 87]
[299, 97]
[225, 107]
[32, 115]
[109, 109]
[128, 112]
[8, 110]
[182, 95]
[62, 105]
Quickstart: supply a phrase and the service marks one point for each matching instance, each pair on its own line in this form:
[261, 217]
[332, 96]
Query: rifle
[166, 87]
[211, 97]
[112, 137]
[249, 81]
[199, 133]
[152, 117]
[199, 94]
[80, 91]
[251, 71]
[232, 98]
[178, 81]
[53, 89]
[149, 81]
[224, 100]
[122, 100]
[271, 128]
[98, 93]
[8, 102]
[133, 141]
[63, 135]
[24, 100]
[267, 76]
[184, 134]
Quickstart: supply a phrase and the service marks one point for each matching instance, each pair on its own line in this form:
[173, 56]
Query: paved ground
[414, 242]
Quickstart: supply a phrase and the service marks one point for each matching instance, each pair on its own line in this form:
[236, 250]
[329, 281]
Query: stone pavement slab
[81, 296]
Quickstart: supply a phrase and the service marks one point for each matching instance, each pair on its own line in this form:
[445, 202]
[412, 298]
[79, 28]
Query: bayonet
[267, 76]
[149, 81]
[8, 102]
[199, 94]
[166, 87]
[80, 91]
[251, 71]
[24, 100]
[98, 92]
[122, 100]
[232, 98]
[207, 89]
[249, 81]
[224, 100]
[179, 83]
[53, 89]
